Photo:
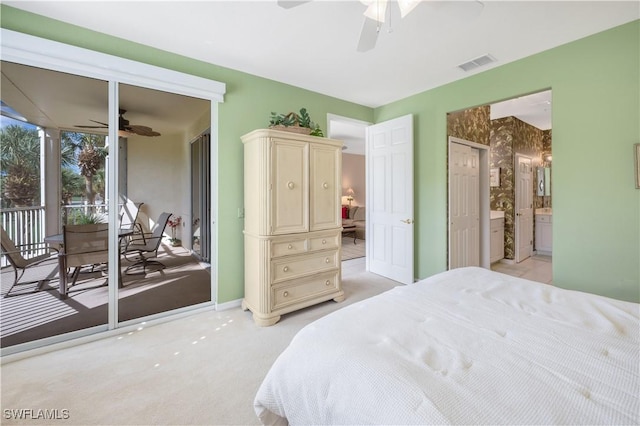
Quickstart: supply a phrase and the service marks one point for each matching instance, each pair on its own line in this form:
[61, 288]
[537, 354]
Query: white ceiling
[313, 45]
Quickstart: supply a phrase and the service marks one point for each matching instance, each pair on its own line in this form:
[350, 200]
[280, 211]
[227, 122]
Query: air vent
[477, 62]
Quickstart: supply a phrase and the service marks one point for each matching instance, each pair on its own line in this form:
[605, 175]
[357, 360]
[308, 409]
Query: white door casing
[389, 177]
[464, 206]
[523, 208]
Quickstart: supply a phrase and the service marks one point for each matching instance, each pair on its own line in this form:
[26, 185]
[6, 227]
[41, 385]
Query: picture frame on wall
[494, 177]
[636, 150]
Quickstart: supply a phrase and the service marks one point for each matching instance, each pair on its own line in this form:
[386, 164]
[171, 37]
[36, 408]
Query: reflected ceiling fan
[376, 13]
[124, 126]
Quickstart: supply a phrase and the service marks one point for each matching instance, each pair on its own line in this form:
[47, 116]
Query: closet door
[289, 187]
[325, 174]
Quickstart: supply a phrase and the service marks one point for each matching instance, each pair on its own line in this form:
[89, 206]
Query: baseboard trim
[229, 305]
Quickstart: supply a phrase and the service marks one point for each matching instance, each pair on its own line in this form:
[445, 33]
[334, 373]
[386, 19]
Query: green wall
[596, 121]
[596, 110]
[247, 106]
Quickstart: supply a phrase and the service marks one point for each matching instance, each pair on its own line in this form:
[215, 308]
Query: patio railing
[25, 225]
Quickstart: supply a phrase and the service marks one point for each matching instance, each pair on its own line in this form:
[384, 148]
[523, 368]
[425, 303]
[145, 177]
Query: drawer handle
[285, 269]
[289, 246]
[325, 185]
[327, 260]
[324, 241]
[290, 185]
[285, 294]
[327, 282]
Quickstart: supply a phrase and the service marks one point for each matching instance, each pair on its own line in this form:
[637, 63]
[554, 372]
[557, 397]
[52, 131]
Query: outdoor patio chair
[148, 244]
[129, 218]
[38, 269]
[84, 245]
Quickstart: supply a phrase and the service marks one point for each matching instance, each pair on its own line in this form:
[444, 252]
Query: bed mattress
[468, 346]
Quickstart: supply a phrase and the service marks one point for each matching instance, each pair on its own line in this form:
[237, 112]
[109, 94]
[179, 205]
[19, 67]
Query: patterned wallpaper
[471, 124]
[506, 137]
[510, 136]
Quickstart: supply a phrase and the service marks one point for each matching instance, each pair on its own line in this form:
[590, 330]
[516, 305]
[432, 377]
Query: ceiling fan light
[407, 6]
[376, 10]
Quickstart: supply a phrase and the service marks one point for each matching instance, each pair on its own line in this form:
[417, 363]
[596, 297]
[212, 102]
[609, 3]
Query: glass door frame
[34, 51]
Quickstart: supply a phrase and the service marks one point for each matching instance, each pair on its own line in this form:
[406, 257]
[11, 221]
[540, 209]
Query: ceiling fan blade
[368, 35]
[141, 130]
[89, 127]
[288, 4]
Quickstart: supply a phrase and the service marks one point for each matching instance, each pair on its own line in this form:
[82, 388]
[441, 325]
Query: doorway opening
[520, 126]
[354, 191]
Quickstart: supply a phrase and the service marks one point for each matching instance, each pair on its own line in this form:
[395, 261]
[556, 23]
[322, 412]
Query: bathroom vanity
[497, 236]
[544, 227]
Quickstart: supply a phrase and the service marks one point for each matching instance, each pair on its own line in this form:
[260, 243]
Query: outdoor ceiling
[54, 99]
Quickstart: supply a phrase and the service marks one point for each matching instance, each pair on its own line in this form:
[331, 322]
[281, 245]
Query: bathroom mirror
[544, 181]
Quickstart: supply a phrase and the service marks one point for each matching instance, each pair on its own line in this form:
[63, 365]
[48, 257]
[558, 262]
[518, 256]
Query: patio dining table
[59, 239]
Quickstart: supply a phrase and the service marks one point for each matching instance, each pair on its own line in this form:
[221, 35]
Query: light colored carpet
[202, 369]
[351, 250]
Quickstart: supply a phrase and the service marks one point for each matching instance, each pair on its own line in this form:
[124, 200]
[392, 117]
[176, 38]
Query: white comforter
[468, 346]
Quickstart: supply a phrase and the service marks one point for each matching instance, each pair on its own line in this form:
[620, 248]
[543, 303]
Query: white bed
[468, 346]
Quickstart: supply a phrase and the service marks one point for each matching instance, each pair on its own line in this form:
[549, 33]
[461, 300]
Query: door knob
[407, 221]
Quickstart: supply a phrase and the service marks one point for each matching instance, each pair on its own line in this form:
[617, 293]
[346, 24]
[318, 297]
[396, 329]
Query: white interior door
[464, 206]
[390, 194]
[524, 208]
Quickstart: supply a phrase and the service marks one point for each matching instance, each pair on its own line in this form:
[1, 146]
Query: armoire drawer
[288, 247]
[324, 243]
[291, 293]
[299, 266]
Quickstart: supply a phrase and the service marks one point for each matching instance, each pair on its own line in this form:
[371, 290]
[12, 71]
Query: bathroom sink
[546, 210]
[497, 214]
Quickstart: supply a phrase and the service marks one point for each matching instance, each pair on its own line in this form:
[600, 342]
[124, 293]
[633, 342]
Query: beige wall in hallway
[353, 176]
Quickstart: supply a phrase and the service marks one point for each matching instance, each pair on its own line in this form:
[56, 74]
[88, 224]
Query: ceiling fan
[375, 16]
[124, 126]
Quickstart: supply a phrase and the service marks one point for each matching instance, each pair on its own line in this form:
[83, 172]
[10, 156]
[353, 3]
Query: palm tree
[72, 185]
[20, 164]
[90, 152]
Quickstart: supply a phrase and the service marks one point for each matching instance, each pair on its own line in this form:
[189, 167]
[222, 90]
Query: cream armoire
[292, 225]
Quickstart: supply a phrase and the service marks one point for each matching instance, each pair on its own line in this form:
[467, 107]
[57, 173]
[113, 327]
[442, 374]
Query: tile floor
[536, 268]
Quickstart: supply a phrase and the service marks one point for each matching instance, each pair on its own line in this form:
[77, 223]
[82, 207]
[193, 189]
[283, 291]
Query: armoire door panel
[325, 187]
[289, 187]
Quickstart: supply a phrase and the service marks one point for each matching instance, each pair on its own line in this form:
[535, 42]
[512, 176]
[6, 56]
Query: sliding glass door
[160, 271]
[153, 113]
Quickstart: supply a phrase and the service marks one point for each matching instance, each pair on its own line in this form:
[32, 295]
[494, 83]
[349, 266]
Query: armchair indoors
[38, 269]
[148, 243]
[84, 245]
